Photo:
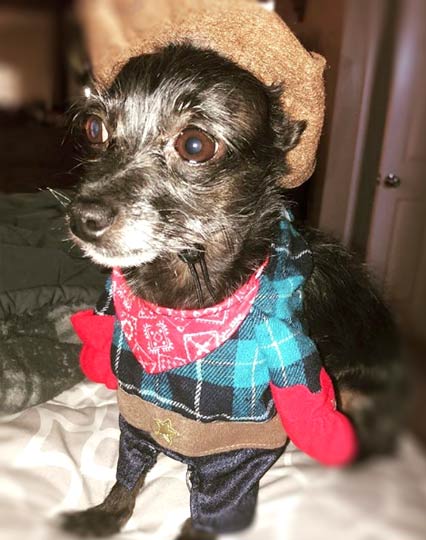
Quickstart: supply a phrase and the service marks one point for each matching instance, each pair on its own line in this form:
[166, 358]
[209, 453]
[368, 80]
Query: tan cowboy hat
[240, 30]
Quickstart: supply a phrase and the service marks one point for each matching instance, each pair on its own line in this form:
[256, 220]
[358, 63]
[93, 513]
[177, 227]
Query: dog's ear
[294, 131]
[287, 132]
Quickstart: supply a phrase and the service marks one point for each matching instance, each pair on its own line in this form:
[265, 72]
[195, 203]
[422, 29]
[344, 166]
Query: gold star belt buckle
[164, 429]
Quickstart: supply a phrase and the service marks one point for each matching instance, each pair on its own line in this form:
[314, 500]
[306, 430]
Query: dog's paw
[189, 533]
[90, 523]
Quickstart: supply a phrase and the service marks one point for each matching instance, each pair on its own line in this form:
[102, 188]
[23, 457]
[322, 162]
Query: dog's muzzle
[89, 220]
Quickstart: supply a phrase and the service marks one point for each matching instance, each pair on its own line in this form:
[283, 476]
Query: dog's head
[184, 149]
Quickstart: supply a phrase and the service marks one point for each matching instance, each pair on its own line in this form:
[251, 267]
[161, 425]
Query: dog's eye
[95, 129]
[195, 145]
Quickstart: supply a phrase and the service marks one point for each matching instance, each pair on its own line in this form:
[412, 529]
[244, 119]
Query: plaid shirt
[232, 383]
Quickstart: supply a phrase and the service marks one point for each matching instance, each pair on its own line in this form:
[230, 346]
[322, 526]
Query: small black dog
[186, 153]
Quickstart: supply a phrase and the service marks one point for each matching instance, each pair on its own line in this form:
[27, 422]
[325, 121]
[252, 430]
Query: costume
[218, 390]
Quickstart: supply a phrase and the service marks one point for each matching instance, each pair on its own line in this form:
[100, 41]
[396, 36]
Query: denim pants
[224, 487]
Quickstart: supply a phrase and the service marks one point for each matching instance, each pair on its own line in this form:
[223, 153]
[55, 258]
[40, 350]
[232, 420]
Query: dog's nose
[89, 220]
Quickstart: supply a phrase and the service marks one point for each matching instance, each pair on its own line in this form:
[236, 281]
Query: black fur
[357, 339]
[228, 210]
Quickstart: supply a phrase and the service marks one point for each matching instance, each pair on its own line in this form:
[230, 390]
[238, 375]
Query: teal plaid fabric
[233, 382]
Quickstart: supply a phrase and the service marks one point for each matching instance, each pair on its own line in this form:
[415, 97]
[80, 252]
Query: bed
[61, 455]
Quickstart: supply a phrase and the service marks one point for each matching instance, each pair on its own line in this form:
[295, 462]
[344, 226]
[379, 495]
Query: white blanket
[62, 455]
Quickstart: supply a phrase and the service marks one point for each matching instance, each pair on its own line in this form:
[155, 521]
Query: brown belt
[193, 438]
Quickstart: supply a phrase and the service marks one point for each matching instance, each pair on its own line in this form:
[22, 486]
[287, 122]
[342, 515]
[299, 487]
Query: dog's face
[184, 149]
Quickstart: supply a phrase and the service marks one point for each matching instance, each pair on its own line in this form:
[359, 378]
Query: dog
[181, 190]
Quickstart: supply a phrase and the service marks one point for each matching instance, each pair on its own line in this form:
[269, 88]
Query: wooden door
[397, 242]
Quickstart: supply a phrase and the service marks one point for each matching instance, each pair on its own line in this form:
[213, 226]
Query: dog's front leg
[106, 518]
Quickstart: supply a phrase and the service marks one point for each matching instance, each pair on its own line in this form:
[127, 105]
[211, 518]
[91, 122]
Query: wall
[26, 56]
[319, 26]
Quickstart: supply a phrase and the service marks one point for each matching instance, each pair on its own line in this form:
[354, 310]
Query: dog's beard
[131, 245]
[139, 241]
[103, 258]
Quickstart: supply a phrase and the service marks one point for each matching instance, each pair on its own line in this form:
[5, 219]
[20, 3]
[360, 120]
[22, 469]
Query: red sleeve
[314, 425]
[95, 331]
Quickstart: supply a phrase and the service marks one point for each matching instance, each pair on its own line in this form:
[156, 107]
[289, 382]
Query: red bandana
[162, 338]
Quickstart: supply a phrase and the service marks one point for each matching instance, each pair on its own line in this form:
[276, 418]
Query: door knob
[392, 181]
